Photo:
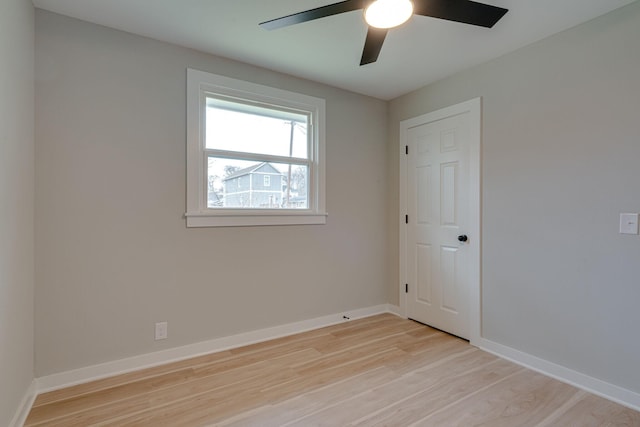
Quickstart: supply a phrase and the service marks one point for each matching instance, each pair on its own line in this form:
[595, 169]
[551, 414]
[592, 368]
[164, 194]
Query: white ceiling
[328, 50]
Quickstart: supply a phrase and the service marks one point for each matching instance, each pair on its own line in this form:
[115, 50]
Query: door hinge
[406, 219]
[406, 149]
[406, 288]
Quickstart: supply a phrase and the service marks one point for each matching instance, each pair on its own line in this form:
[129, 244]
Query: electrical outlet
[161, 330]
[628, 223]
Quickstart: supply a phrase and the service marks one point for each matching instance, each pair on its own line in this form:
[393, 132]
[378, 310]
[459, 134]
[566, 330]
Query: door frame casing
[474, 108]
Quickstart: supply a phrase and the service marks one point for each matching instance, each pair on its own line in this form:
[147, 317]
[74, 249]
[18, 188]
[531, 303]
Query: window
[255, 154]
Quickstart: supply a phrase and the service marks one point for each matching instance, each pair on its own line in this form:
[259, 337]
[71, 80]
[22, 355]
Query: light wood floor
[379, 371]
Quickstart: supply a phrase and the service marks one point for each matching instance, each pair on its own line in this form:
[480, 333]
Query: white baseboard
[135, 363]
[598, 387]
[394, 309]
[25, 405]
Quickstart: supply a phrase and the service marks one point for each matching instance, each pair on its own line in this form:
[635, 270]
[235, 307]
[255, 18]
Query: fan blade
[465, 11]
[373, 45]
[310, 15]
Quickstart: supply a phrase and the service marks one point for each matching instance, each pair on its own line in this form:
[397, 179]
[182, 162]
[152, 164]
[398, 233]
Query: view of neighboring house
[258, 186]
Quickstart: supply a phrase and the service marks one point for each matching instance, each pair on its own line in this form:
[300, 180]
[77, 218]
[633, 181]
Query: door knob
[463, 238]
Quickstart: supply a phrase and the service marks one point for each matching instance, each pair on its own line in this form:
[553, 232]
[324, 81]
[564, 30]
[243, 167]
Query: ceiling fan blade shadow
[465, 11]
[310, 15]
[373, 45]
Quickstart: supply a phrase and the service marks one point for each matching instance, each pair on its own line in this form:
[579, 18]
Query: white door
[440, 226]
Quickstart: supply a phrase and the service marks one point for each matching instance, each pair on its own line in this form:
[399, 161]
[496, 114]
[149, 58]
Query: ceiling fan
[382, 15]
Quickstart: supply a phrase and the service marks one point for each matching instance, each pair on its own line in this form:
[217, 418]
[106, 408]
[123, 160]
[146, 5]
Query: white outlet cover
[161, 330]
[628, 223]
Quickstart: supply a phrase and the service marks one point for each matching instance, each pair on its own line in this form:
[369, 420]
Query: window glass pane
[232, 126]
[242, 184]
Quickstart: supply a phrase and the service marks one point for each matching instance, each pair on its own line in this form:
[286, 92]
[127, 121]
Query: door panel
[448, 267]
[448, 194]
[425, 204]
[423, 261]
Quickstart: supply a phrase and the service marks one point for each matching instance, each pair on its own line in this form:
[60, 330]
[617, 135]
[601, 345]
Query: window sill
[206, 219]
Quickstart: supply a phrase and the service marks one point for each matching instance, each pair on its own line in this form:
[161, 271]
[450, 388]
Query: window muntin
[254, 154]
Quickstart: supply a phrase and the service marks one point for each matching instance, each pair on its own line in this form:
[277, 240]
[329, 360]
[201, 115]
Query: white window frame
[266, 181]
[199, 84]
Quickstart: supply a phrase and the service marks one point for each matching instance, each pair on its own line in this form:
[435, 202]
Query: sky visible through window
[252, 133]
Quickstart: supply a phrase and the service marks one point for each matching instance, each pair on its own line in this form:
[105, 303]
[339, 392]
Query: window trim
[199, 83]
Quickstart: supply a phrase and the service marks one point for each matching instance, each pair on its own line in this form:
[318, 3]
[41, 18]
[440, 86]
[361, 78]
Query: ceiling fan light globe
[388, 13]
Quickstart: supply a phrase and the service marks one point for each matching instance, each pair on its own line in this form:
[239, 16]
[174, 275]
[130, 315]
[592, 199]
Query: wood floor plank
[592, 411]
[297, 407]
[256, 351]
[355, 351]
[219, 385]
[198, 410]
[378, 371]
[98, 385]
[199, 377]
[357, 409]
[427, 350]
[524, 399]
[280, 413]
[423, 403]
[130, 387]
[342, 343]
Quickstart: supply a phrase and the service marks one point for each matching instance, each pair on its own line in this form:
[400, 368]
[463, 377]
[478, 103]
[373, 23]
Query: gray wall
[561, 153]
[113, 254]
[16, 204]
